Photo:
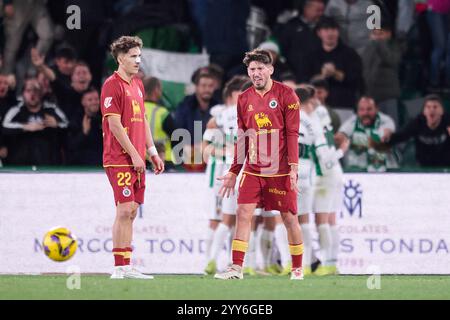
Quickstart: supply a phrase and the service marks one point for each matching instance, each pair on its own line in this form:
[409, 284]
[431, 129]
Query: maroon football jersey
[268, 131]
[124, 99]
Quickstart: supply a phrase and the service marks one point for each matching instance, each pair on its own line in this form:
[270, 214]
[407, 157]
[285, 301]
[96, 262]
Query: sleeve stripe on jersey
[111, 114]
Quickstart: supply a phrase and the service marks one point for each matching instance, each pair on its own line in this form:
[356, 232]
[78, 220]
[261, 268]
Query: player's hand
[138, 164]
[229, 181]
[293, 177]
[158, 165]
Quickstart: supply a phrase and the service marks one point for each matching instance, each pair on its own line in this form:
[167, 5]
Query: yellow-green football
[60, 244]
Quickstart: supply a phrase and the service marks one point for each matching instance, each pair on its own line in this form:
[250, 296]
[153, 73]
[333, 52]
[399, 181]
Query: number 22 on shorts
[123, 179]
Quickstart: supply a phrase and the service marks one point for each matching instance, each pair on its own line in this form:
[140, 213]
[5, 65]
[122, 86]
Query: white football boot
[297, 274]
[233, 272]
[118, 273]
[132, 273]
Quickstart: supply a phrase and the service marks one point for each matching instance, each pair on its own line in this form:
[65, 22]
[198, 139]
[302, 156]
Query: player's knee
[290, 221]
[125, 214]
[244, 217]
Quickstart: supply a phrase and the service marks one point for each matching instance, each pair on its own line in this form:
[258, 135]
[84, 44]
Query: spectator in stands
[339, 64]
[439, 23]
[65, 60]
[20, 15]
[297, 37]
[7, 100]
[431, 133]
[194, 109]
[351, 15]
[322, 92]
[381, 62]
[161, 121]
[33, 128]
[68, 97]
[85, 139]
[369, 123]
[217, 74]
[7, 95]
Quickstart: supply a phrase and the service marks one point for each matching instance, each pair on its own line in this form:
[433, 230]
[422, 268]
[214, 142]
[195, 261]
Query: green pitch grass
[206, 288]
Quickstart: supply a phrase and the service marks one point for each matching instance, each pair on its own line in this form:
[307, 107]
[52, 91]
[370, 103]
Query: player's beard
[261, 86]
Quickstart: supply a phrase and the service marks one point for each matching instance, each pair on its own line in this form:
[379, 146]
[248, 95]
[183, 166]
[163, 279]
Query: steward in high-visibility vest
[156, 116]
[161, 122]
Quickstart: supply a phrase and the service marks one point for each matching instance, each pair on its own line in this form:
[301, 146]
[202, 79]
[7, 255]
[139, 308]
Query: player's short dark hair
[67, 53]
[305, 93]
[320, 83]
[258, 55]
[327, 23]
[125, 44]
[150, 84]
[433, 97]
[234, 84]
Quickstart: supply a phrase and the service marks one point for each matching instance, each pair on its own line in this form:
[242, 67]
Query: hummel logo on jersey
[140, 93]
[108, 102]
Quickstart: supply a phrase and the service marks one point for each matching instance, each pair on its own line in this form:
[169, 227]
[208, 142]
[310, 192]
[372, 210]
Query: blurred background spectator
[339, 64]
[351, 15]
[19, 14]
[439, 23]
[34, 129]
[368, 123]
[381, 62]
[431, 133]
[85, 138]
[297, 37]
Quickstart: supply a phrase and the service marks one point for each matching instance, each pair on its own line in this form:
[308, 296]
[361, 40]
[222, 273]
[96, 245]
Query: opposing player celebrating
[268, 122]
[126, 134]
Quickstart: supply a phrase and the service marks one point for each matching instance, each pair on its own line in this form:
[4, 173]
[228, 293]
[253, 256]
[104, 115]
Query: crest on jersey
[262, 120]
[136, 108]
[126, 192]
[273, 104]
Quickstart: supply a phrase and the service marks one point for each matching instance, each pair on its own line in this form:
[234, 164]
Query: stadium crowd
[51, 76]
